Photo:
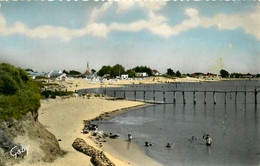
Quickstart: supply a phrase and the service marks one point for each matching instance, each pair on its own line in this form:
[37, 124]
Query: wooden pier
[183, 92]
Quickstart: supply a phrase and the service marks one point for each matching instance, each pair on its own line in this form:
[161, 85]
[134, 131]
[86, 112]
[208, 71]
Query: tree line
[117, 70]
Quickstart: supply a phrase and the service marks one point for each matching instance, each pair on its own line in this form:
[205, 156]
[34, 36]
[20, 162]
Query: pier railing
[183, 92]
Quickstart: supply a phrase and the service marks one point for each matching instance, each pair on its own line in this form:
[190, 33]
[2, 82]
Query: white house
[124, 76]
[58, 74]
[141, 74]
[155, 72]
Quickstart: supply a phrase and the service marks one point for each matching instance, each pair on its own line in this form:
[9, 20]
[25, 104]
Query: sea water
[234, 128]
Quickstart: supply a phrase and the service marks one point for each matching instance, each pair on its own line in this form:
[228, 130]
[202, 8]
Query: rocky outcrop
[29, 132]
[98, 158]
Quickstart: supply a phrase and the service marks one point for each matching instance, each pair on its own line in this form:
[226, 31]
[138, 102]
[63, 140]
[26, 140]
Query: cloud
[99, 11]
[249, 22]
[153, 5]
[149, 5]
[156, 23]
[124, 5]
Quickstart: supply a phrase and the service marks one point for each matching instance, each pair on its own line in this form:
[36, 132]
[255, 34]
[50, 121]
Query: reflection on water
[234, 129]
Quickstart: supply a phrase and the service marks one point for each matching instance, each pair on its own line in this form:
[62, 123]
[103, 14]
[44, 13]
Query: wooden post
[205, 94]
[154, 96]
[245, 95]
[183, 95]
[236, 96]
[135, 95]
[174, 97]
[194, 98]
[144, 95]
[164, 100]
[214, 97]
[225, 97]
[255, 97]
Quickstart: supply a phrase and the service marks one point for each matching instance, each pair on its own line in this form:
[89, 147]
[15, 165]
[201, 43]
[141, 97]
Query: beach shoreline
[71, 84]
[115, 148]
[65, 119]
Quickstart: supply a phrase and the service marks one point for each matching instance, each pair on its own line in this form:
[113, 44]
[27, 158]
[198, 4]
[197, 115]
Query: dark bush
[53, 96]
[8, 85]
[18, 93]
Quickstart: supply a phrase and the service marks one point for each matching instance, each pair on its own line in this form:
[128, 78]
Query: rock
[113, 136]
[102, 140]
[106, 134]
[31, 130]
[98, 158]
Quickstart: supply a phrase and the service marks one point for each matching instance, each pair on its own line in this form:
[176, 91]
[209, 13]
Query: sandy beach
[75, 84]
[64, 118]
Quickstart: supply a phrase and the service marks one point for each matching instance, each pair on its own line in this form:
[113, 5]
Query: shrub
[48, 93]
[18, 93]
[97, 95]
[53, 96]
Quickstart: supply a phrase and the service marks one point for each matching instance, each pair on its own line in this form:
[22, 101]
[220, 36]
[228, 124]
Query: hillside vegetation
[19, 94]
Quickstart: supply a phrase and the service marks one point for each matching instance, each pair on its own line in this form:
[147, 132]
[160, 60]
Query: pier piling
[225, 98]
[164, 99]
[236, 97]
[205, 94]
[174, 97]
[194, 98]
[245, 95]
[214, 97]
[154, 96]
[183, 95]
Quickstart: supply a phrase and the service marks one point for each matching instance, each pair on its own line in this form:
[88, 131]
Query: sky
[188, 36]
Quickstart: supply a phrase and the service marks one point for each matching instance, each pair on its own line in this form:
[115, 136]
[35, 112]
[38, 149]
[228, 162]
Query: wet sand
[130, 152]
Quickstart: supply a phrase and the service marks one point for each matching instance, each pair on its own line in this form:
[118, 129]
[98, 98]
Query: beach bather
[168, 145]
[208, 139]
[130, 137]
[147, 144]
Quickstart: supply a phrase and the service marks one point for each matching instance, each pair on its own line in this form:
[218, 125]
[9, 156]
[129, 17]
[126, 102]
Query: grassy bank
[19, 94]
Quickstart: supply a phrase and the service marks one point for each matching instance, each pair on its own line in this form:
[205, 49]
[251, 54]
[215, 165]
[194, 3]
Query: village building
[155, 72]
[106, 76]
[248, 75]
[124, 76]
[33, 75]
[87, 72]
[141, 74]
[57, 74]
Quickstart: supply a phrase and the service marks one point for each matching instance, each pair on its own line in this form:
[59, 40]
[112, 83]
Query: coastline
[115, 148]
[65, 119]
[77, 84]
